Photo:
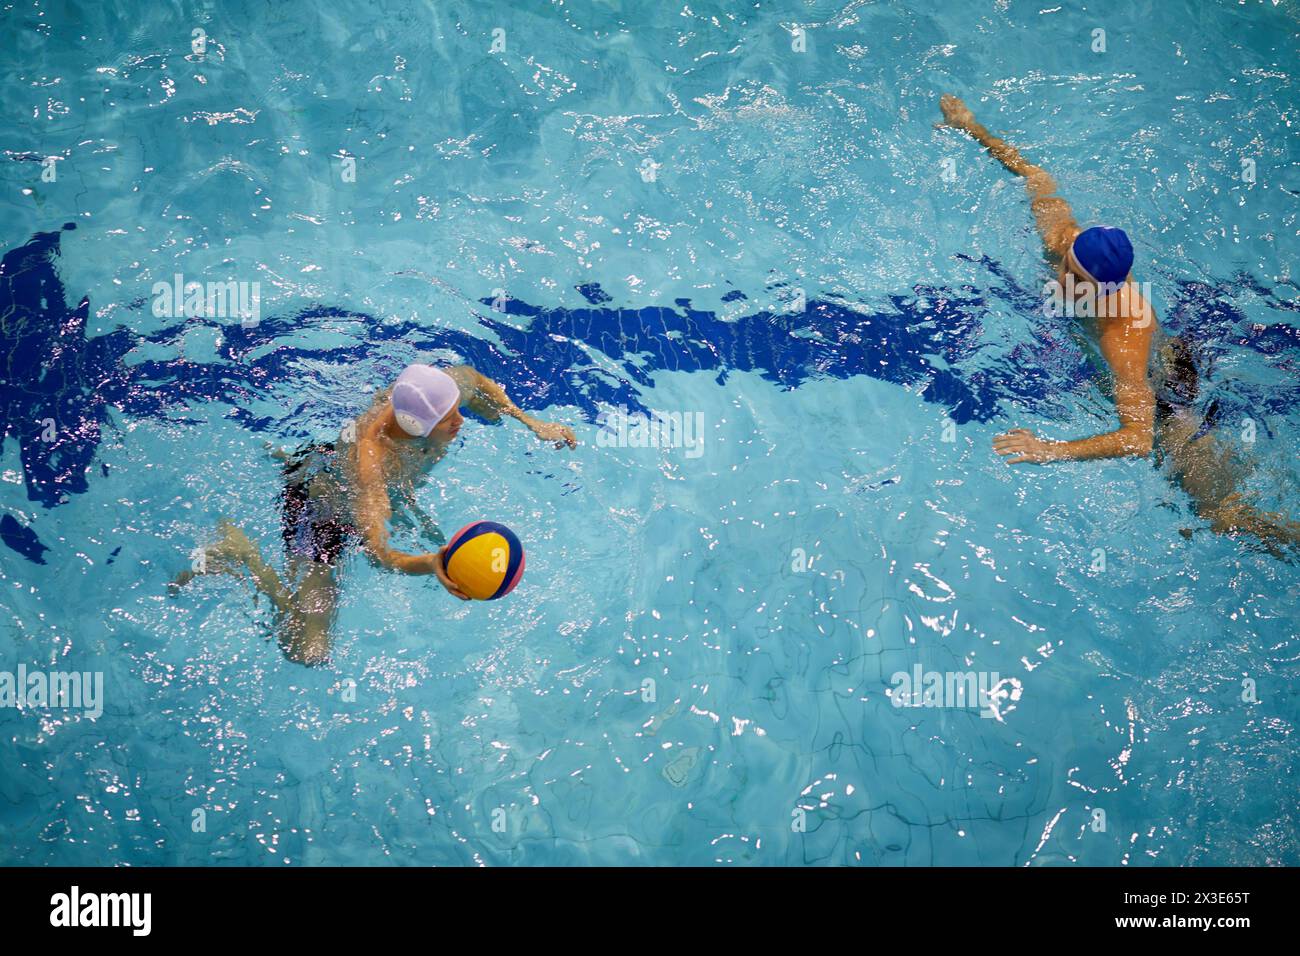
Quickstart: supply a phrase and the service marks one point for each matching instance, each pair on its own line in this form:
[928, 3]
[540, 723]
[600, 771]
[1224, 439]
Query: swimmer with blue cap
[1093, 280]
[339, 492]
[1154, 401]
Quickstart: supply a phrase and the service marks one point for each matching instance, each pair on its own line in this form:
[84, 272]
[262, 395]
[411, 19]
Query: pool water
[646, 207]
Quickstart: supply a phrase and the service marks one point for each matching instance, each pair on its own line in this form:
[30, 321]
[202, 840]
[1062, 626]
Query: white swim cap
[422, 397]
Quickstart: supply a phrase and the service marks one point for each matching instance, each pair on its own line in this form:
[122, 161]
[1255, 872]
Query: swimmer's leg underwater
[1209, 472]
[304, 615]
[1208, 469]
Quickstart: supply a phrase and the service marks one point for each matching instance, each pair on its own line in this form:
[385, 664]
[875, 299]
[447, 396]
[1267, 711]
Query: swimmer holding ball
[337, 493]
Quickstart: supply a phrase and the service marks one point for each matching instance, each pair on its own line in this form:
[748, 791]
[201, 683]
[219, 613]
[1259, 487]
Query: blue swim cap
[1103, 254]
[422, 397]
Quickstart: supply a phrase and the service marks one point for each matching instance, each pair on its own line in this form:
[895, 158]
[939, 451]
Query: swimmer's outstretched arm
[1055, 219]
[1124, 345]
[489, 400]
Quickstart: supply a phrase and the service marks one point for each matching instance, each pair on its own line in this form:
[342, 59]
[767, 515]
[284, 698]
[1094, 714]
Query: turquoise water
[614, 160]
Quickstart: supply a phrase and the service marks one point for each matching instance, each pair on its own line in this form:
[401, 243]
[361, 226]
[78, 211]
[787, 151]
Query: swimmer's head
[1098, 261]
[426, 401]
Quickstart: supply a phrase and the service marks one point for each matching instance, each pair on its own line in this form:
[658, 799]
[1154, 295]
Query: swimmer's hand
[1025, 446]
[561, 435]
[441, 571]
[956, 113]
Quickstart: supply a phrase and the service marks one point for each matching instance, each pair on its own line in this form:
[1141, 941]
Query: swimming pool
[654, 207]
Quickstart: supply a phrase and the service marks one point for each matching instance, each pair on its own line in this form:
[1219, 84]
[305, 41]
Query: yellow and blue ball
[485, 560]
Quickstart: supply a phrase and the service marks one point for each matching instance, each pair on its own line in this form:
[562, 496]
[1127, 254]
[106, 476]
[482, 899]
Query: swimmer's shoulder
[367, 425]
[378, 405]
[466, 380]
[1136, 308]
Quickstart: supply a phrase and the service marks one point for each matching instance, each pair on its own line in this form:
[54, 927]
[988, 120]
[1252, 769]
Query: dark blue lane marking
[929, 340]
[21, 539]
